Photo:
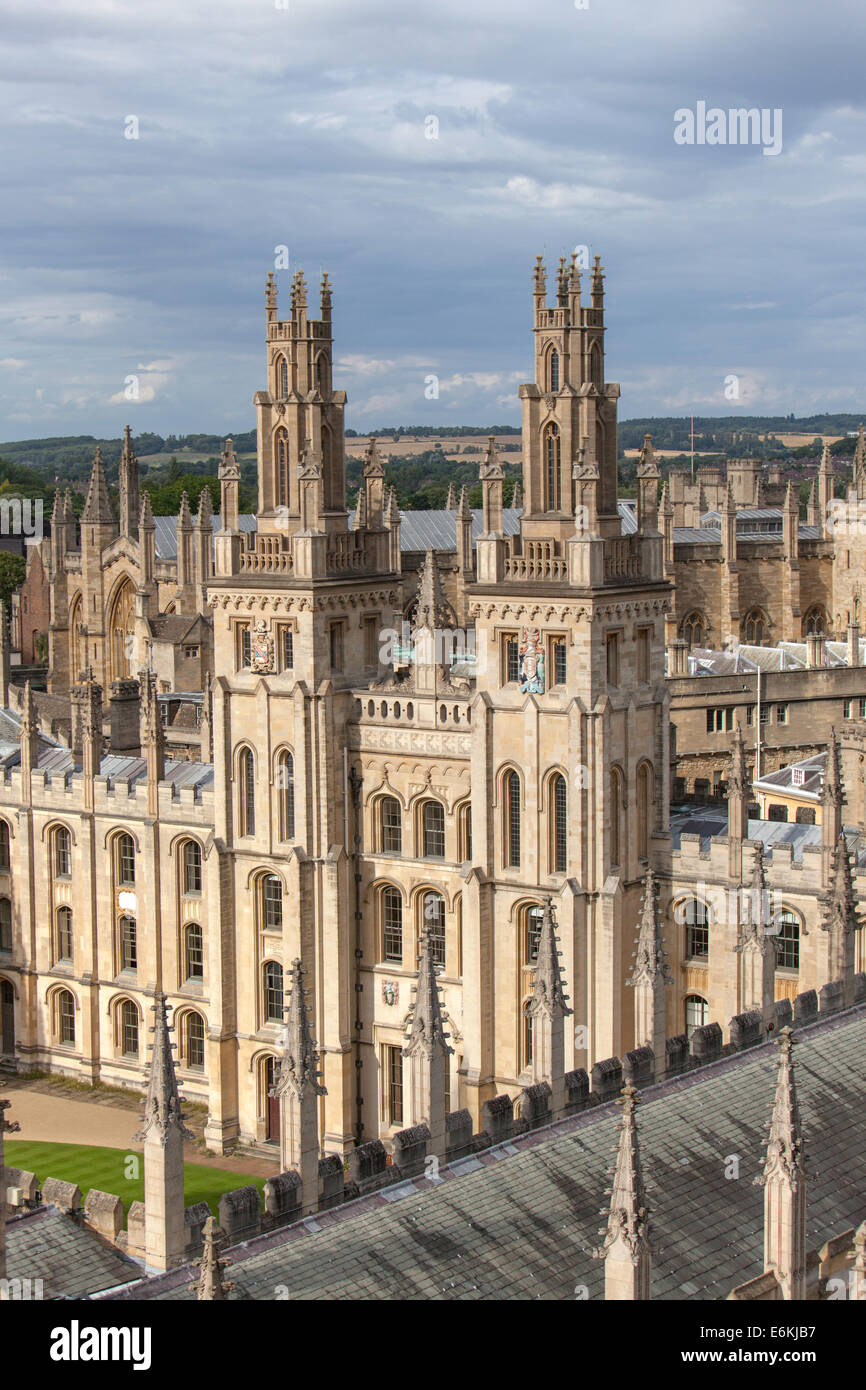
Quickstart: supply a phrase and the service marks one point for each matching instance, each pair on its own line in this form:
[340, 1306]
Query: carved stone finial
[210, 1286]
[162, 1109]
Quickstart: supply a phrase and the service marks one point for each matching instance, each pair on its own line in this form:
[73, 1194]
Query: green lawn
[118, 1171]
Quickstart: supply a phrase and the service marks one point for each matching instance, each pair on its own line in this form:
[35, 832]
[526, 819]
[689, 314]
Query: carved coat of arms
[531, 662]
[390, 992]
[261, 648]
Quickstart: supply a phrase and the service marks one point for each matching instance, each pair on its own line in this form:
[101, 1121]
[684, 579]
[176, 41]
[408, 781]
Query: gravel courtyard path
[49, 1113]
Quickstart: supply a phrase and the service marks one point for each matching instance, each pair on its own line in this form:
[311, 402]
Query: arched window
[128, 942]
[281, 453]
[615, 815]
[553, 371]
[553, 468]
[391, 910]
[76, 663]
[533, 916]
[755, 628]
[282, 378]
[64, 1018]
[694, 628]
[191, 868]
[121, 625]
[285, 780]
[322, 373]
[246, 792]
[4, 845]
[5, 925]
[788, 941]
[128, 1029]
[193, 951]
[595, 365]
[464, 832]
[558, 794]
[511, 826]
[390, 826]
[124, 860]
[433, 829]
[64, 934]
[644, 808]
[697, 1013]
[192, 1040]
[271, 906]
[273, 992]
[433, 916]
[62, 847]
[697, 922]
[815, 622]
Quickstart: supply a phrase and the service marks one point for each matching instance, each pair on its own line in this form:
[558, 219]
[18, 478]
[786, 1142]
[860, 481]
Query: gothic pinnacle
[97, 505]
[649, 956]
[831, 790]
[425, 1029]
[210, 1285]
[298, 1069]
[628, 1214]
[431, 611]
[162, 1112]
[785, 1153]
[547, 989]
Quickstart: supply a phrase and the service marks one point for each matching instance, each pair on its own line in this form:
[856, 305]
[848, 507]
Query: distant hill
[421, 475]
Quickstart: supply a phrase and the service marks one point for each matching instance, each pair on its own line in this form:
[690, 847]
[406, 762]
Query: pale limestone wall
[794, 885]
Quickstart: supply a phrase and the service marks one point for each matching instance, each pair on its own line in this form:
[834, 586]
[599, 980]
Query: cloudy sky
[305, 123]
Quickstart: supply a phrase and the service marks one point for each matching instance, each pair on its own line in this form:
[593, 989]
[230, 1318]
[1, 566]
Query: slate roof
[71, 1261]
[436, 529]
[711, 821]
[708, 534]
[811, 777]
[521, 1221]
[785, 656]
[165, 532]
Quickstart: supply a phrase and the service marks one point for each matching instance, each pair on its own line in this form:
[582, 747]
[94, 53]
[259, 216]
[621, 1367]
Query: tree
[12, 571]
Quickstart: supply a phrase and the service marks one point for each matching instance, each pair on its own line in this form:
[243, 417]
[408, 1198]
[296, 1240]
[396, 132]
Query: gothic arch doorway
[270, 1104]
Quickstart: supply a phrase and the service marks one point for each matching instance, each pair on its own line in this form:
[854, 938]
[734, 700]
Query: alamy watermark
[736, 126]
[744, 905]
[442, 646]
[21, 516]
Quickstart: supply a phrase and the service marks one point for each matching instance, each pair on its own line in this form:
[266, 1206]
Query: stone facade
[353, 804]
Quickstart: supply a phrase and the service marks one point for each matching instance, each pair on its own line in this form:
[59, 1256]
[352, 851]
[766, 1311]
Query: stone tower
[297, 616]
[163, 1133]
[300, 415]
[570, 763]
[569, 411]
